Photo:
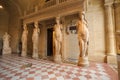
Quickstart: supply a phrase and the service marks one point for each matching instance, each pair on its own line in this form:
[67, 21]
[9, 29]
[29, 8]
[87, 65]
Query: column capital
[109, 2]
[117, 3]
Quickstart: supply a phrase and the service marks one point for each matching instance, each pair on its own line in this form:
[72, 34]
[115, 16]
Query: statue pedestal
[35, 56]
[23, 54]
[57, 58]
[83, 61]
[6, 51]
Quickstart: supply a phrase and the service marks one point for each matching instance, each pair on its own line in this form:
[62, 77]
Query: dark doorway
[50, 42]
[29, 42]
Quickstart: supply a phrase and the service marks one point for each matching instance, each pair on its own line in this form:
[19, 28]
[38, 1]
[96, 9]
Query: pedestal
[35, 56]
[57, 58]
[112, 59]
[23, 54]
[83, 61]
[6, 51]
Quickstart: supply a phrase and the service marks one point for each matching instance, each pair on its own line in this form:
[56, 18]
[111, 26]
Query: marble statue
[83, 38]
[57, 41]
[6, 45]
[35, 40]
[24, 41]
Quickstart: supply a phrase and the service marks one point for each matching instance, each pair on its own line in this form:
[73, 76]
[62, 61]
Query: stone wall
[14, 31]
[71, 47]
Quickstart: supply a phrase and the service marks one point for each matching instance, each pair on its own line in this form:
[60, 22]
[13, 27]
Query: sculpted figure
[57, 41]
[24, 41]
[35, 38]
[83, 37]
[6, 46]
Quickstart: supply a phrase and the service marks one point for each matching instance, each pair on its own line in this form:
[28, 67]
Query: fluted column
[110, 33]
[110, 30]
[117, 25]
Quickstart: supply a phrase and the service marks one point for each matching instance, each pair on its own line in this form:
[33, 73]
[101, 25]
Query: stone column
[110, 32]
[35, 40]
[57, 41]
[117, 25]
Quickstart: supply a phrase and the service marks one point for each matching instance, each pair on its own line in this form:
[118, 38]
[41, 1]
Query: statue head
[57, 19]
[36, 25]
[83, 15]
[6, 33]
[25, 27]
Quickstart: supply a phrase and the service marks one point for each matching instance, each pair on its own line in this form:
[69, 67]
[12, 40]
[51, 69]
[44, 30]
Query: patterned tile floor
[10, 69]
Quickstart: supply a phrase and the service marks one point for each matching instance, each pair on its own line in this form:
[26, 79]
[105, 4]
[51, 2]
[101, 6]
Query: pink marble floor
[10, 69]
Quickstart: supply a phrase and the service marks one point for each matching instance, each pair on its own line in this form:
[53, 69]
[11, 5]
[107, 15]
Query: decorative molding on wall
[62, 9]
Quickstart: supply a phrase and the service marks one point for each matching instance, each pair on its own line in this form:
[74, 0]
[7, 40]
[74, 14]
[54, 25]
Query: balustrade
[45, 5]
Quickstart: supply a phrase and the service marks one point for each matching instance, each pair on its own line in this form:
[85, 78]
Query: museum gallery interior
[59, 39]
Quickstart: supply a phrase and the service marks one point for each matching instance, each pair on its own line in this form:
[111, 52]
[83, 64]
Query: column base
[112, 59]
[57, 58]
[83, 61]
[7, 51]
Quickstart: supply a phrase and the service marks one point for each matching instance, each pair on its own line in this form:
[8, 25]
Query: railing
[45, 5]
[50, 3]
[60, 1]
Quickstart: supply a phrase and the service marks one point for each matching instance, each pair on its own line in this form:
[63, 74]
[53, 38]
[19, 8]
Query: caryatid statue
[35, 40]
[6, 44]
[24, 41]
[83, 38]
[57, 41]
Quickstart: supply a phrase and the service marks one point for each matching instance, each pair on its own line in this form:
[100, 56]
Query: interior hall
[59, 39]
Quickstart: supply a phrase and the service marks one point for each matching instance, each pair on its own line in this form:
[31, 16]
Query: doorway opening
[50, 42]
